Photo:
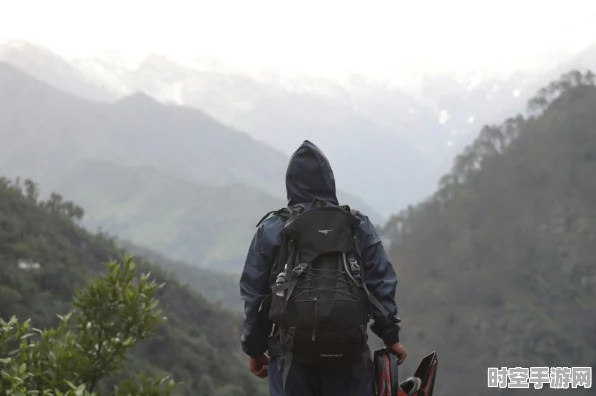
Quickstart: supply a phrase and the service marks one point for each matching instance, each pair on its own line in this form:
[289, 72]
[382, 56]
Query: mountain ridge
[48, 66]
[51, 136]
[238, 100]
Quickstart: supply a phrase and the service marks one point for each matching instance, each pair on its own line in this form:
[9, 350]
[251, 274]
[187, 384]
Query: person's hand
[259, 366]
[399, 350]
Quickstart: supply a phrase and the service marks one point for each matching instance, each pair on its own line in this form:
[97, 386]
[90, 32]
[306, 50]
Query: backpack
[319, 302]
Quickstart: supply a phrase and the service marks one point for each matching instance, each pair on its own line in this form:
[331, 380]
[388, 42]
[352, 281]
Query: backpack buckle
[354, 267]
[299, 269]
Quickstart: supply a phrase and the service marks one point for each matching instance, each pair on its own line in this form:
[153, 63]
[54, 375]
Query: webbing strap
[355, 269]
[289, 343]
[375, 302]
[291, 288]
[288, 362]
[264, 217]
[284, 212]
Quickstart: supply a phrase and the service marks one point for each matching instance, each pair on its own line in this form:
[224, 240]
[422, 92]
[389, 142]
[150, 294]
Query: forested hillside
[211, 226]
[498, 267]
[216, 286]
[45, 257]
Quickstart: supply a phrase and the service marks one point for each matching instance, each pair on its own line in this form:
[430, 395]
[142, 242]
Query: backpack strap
[289, 356]
[356, 269]
[321, 201]
[283, 212]
[357, 273]
[294, 212]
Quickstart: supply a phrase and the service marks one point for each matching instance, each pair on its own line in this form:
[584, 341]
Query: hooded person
[309, 177]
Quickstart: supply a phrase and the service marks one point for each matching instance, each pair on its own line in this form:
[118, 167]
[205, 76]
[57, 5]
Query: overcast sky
[321, 37]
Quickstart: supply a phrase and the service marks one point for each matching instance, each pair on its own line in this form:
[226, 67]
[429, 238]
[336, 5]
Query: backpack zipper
[314, 327]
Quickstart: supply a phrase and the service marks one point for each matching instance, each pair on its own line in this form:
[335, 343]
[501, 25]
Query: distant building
[26, 264]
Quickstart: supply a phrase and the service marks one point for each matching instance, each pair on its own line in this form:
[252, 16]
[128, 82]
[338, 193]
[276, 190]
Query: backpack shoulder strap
[347, 208]
[373, 300]
[294, 212]
[283, 212]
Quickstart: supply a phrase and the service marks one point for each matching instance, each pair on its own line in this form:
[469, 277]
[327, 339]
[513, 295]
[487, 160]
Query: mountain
[497, 267]
[50, 67]
[198, 343]
[421, 126]
[450, 107]
[284, 115]
[211, 226]
[164, 176]
[368, 159]
[441, 113]
[279, 116]
[362, 125]
[136, 130]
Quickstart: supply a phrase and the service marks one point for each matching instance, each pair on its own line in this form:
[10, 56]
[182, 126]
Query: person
[309, 176]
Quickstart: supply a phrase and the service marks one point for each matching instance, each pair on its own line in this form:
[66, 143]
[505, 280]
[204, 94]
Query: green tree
[31, 190]
[110, 316]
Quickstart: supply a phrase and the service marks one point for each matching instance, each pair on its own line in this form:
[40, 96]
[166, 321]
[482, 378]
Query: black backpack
[319, 302]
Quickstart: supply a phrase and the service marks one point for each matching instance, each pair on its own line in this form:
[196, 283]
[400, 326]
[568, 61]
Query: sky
[321, 38]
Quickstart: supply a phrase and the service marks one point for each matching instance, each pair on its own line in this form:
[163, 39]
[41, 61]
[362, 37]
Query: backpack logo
[325, 232]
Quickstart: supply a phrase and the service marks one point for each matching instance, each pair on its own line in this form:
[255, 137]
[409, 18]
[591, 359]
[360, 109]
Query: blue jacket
[308, 176]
